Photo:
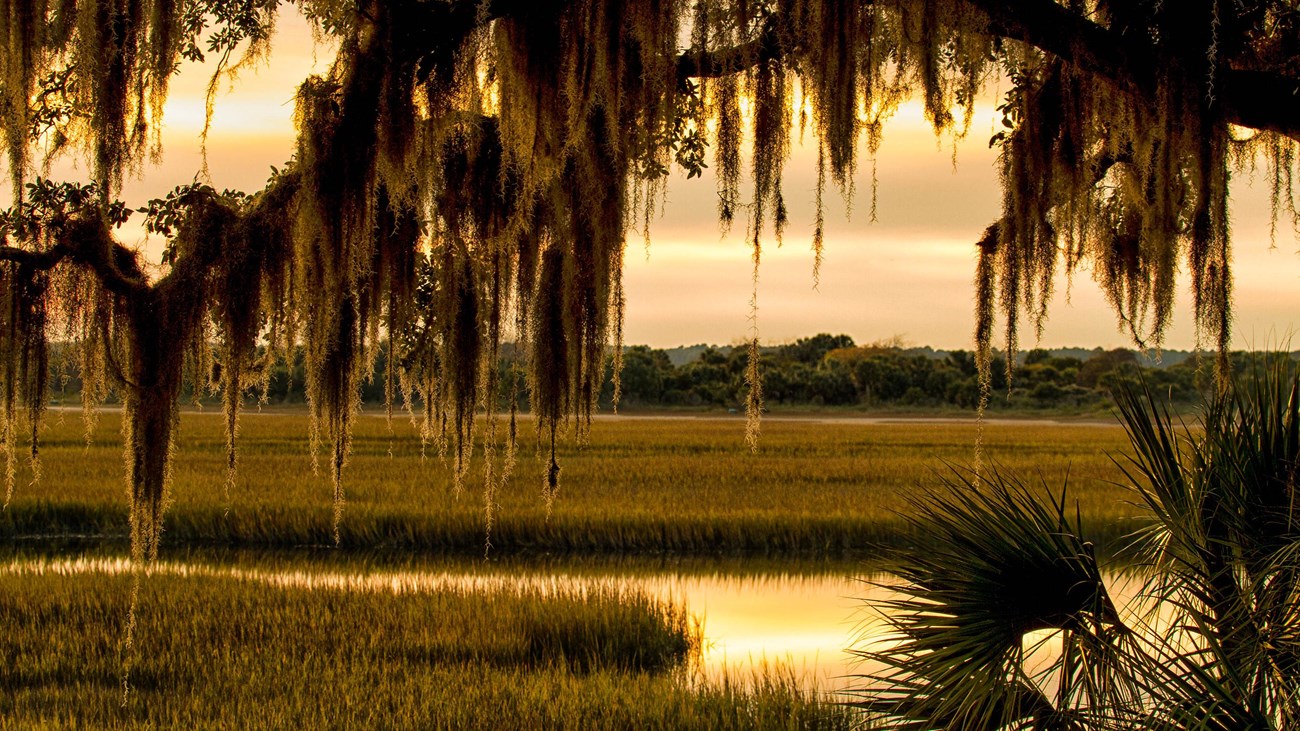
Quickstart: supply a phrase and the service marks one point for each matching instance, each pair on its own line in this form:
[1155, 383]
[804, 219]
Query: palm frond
[1000, 561]
[1224, 551]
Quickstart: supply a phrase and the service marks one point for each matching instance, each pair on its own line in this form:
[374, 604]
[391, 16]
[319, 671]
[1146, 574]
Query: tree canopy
[468, 170]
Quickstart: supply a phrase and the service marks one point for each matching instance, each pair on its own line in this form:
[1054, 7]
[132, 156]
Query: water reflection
[803, 623]
[800, 622]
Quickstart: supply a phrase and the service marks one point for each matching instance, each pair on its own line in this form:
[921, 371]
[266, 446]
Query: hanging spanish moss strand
[831, 86]
[753, 356]
[727, 156]
[128, 49]
[23, 37]
[819, 226]
[512, 441]
[23, 328]
[9, 396]
[771, 149]
[616, 316]
[753, 395]
[489, 377]
[88, 331]
[551, 487]
[985, 314]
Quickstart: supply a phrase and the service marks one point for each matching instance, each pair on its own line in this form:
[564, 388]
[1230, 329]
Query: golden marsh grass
[678, 486]
[220, 652]
[216, 651]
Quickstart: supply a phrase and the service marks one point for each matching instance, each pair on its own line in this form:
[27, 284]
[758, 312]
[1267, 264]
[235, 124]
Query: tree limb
[273, 202]
[86, 240]
[1252, 98]
[1262, 100]
[89, 243]
[39, 260]
[700, 64]
[1064, 33]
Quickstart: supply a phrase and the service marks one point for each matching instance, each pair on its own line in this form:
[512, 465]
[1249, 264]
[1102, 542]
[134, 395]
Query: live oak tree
[468, 170]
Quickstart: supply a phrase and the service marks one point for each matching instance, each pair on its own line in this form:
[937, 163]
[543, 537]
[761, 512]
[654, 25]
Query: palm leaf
[999, 561]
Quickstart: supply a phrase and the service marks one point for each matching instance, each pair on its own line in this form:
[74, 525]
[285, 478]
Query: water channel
[750, 620]
[801, 623]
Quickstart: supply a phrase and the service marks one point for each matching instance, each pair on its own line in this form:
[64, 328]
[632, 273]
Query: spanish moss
[466, 174]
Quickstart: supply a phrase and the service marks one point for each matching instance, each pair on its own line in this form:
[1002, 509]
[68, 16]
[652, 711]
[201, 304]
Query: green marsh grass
[221, 651]
[681, 486]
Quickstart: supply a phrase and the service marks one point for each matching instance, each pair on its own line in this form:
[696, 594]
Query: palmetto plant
[1211, 642]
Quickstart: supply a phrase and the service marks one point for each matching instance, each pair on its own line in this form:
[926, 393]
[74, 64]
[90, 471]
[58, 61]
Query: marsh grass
[224, 652]
[220, 650]
[680, 486]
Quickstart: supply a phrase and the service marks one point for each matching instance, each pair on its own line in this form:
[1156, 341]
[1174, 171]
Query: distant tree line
[831, 371]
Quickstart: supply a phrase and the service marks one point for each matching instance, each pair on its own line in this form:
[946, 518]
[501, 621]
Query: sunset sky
[908, 274]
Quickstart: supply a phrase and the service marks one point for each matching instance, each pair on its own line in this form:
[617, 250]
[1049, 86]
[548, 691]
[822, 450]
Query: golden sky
[907, 274]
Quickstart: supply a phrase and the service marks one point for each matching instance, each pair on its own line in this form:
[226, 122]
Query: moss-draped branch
[467, 171]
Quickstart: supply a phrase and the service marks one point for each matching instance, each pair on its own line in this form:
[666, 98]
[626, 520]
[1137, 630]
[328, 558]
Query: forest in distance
[820, 371]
